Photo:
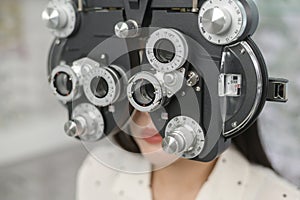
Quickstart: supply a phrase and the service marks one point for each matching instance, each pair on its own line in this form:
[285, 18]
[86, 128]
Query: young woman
[242, 172]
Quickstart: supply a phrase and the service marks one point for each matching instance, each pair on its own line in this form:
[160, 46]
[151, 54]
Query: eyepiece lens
[99, 87]
[63, 83]
[143, 92]
[164, 51]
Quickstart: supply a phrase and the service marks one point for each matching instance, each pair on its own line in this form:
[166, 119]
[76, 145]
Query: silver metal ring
[194, 128]
[68, 12]
[94, 126]
[113, 86]
[74, 93]
[180, 47]
[236, 28]
[158, 91]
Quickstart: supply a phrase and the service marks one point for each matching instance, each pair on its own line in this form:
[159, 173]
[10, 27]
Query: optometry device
[191, 64]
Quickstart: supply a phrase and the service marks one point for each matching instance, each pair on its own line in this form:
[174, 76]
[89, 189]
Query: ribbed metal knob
[54, 18]
[170, 145]
[128, 29]
[75, 127]
[178, 141]
[71, 128]
[216, 21]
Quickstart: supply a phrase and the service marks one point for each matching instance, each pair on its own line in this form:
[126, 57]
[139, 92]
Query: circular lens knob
[181, 138]
[170, 145]
[87, 123]
[216, 20]
[223, 22]
[60, 17]
[54, 18]
[183, 135]
[75, 127]
[128, 29]
[167, 50]
[104, 85]
[145, 92]
[65, 82]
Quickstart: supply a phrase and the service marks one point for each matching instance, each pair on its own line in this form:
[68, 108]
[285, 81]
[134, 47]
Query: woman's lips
[151, 136]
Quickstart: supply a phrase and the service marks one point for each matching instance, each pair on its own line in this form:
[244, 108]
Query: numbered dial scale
[222, 21]
[102, 85]
[184, 136]
[87, 123]
[166, 50]
[65, 82]
[60, 17]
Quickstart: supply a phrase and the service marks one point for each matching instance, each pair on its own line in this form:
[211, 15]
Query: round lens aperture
[143, 92]
[167, 50]
[164, 50]
[102, 85]
[63, 83]
[99, 87]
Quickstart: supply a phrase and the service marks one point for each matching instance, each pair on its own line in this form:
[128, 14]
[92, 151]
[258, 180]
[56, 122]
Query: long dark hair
[248, 143]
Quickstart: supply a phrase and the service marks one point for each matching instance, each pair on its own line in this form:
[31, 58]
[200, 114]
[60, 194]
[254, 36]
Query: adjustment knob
[86, 123]
[179, 140]
[223, 22]
[216, 21]
[60, 18]
[54, 18]
[75, 127]
[170, 145]
[183, 136]
[128, 29]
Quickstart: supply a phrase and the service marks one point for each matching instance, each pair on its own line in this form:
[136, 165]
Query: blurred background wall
[278, 38]
[37, 158]
[30, 119]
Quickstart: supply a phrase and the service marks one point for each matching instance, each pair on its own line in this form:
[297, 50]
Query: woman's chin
[154, 153]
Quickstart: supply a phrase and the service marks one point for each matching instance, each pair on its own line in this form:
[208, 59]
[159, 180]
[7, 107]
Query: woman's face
[145, 133]
[149, 140]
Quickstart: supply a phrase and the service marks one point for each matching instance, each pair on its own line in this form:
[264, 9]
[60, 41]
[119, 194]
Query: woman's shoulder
[269, 185]
[234, 177]
[261, 182]
[110, 174]
[93, 179]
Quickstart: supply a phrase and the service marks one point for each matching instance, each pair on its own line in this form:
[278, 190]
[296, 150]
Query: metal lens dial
[183, 135]
[102, 86]
[145, 92]
[87, 123]
[222, 22]
[99, 87]
[60, 17]
[128, 29]
[65, 83]
[166, 50]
